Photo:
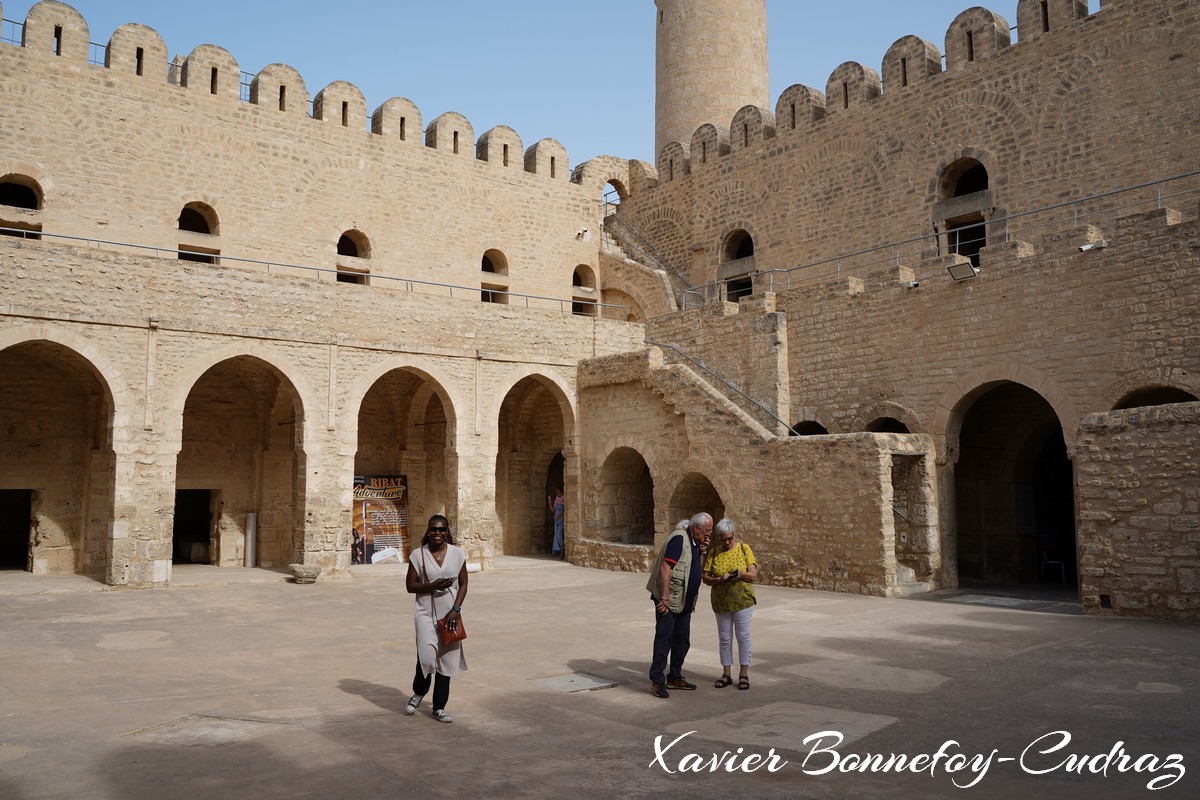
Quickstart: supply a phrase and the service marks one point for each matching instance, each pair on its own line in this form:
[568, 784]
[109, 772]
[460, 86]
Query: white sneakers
[441, 716]
[414, 703]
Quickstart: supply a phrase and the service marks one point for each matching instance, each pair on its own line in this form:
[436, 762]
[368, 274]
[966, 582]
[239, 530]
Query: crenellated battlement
[56, 30]
[976, 35]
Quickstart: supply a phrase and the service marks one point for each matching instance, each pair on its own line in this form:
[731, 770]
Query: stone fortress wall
[957, 422]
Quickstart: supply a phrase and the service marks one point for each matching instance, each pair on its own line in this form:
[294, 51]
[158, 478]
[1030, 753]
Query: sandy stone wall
[1139, 534]
[1094, 104]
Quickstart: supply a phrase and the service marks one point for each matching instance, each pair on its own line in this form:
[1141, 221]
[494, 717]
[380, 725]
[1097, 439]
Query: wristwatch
[456, 607]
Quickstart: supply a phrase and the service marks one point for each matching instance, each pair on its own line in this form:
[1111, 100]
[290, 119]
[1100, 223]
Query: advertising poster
[380, 519]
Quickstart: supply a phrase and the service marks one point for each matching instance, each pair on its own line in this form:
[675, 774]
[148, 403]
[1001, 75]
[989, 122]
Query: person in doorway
[558, 504]
[730, 569]
[674, 584]
[437, 575]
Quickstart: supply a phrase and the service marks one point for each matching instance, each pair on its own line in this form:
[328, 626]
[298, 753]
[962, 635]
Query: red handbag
[446, 634]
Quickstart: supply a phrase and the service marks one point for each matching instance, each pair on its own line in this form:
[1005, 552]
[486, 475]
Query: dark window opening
[740, 244]
[456, 142]
[576, 279]
[1154, 396]
[402, 121]
[352, 276]
[347, 247]
[139, 60]
[1045, 8]
[887, 425]
[737, 288]
[283, 98]
[671, 170]
[845, 95]
[970, 46]
[973, 180]
[16, 525]
[58, 40]
[793, 115]
[18, 196]
[553, 166]
[904, 72]
[200, 255]
[584, 308]
[506, 155]
[487, 265]
[493, 294]
[745, 136]
[192, 220]
[345, 114]
[212, 81]
[20, 230]
[704, 152]
[966, 236]
[809, 428]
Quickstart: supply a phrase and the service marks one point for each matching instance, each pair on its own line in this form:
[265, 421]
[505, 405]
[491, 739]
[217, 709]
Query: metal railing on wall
[1180, 192]
[577, 308]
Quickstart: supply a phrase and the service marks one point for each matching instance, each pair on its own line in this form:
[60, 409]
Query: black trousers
[441, 686]
[672, 639]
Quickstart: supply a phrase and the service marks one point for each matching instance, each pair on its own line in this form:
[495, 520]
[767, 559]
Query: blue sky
[581, 73]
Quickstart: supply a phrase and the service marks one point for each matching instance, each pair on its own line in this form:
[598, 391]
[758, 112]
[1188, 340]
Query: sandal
[743, 682]
[723, 681]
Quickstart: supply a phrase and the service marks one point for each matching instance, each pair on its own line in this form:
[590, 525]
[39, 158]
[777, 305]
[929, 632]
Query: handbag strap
[432, 592]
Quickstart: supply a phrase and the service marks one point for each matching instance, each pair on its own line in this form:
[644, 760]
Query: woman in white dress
[437, 575]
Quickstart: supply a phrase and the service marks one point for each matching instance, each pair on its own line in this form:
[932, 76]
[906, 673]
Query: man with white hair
[674, 584]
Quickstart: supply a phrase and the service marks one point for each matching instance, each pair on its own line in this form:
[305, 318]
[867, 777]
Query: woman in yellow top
[730, 569]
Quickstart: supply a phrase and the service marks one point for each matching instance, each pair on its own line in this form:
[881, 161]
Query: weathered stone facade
[262, 299]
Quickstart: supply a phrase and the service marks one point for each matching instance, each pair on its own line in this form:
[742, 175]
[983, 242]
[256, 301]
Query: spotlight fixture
[962, 272]
[1099, 244]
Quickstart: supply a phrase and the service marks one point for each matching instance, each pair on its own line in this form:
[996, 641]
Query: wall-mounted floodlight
[962, 272]
[1099, 244]
[911, 284]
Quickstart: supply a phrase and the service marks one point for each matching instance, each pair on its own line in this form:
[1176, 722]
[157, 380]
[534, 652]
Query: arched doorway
[406, 430]
[530, 463]
[1015, 492]
[241, 454]
[966, 203]
[695, 493]
[56, 461]
[625, 512]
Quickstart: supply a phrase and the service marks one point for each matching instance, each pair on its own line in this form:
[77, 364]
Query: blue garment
[560, 513]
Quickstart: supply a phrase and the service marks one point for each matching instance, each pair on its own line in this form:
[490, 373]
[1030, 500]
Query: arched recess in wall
[1014, 490]
[808, 427]
[886, 425]
[406, 430]
[493, 287]
[241, 453]
[21, 200]
[56, 461]
[964, 207]
[199, 226]
[584, 297]
[625, 511]
[693, 494]
[616, 297]
[737, 265]
[353, 250]
[1154, 396]
[535, 426]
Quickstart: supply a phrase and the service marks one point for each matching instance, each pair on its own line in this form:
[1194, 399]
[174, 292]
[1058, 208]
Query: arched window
[738, 245]
[1154, 396]
[22, 193]
[808, 428]
[964, 191]
[494, 262]
[737, 271]
[354, 244]
[199, 218]
[584, 277]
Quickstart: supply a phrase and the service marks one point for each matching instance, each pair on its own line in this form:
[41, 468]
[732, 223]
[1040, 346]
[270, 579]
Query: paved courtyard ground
[239, 684]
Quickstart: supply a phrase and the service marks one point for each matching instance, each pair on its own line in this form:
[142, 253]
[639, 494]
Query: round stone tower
[711, 59]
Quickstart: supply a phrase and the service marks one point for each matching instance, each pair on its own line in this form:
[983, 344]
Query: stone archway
[406, 428]
[693, 494]
[625, 509]
[241, 454]
[56, 461]
[532, 440]
[1014, 491]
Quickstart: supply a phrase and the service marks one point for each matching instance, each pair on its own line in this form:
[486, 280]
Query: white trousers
[727, 626]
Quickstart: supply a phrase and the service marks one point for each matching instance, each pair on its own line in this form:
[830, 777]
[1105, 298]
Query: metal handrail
[893, 249]
[725, 381]
[643, 247]
[409, 283]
